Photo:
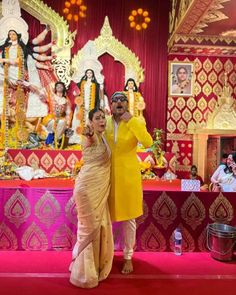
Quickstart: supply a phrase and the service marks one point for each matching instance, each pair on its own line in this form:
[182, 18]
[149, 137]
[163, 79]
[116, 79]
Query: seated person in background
[224, 178]
[193, 174]
[224, 159]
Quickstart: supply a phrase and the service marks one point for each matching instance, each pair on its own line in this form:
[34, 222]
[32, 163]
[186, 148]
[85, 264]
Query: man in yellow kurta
[123, 133]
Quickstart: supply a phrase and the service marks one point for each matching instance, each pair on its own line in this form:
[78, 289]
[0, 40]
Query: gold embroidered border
[201, 38]
[178, 137]
[183, 168]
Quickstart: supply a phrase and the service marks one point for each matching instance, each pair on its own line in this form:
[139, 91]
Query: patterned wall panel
[45, 219]
[194, 110]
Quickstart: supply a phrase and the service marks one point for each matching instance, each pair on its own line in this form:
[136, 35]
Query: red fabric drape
[149, 45]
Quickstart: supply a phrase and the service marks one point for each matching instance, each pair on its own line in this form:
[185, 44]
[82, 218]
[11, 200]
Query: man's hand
[88, 131]
[233, 166]
[126, 116]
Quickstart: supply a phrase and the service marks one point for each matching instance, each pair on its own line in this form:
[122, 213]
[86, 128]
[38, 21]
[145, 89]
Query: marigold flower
[79, 130]
[79, 101]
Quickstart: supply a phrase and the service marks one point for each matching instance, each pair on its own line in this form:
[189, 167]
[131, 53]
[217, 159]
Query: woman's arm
[215, 176]
[89, 137]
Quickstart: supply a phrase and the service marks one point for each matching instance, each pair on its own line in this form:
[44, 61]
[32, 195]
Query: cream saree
[93, 252]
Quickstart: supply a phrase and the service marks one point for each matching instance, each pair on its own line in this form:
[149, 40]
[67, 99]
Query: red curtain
[149, 45]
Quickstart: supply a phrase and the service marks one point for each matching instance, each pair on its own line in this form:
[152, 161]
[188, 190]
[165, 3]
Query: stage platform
[41, 215]
[53, 161]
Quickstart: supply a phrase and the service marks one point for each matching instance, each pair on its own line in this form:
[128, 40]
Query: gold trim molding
[193, 16]
[213, 15]
[107, 43]
[177, 14]
[179, 137]
[212, 38]
[229, 33]
[200, 50]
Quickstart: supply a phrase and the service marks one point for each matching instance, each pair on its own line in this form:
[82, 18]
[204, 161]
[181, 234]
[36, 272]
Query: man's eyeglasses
[120, 98]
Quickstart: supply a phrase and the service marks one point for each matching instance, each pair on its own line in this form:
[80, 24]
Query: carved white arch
[107, 43]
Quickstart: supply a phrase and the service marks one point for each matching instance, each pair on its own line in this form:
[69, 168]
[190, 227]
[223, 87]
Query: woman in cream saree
[93, 253]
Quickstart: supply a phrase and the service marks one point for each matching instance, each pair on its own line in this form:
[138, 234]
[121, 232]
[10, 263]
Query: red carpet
[155, 273]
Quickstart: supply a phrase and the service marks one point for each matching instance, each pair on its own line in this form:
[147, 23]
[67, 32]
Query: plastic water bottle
[178, 242]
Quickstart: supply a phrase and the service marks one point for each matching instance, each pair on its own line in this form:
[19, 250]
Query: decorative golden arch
[60, 33]
[107, 43]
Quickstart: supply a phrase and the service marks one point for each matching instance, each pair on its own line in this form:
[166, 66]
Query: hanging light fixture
[70, 6]
[139, 19]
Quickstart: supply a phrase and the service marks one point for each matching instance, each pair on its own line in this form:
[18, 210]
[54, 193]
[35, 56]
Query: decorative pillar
[200, 153]
[201, 146]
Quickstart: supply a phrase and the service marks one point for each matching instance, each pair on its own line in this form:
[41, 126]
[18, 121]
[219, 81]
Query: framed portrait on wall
[181, 78]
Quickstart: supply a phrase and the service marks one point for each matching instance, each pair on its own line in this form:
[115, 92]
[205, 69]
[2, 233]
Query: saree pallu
[93, 253]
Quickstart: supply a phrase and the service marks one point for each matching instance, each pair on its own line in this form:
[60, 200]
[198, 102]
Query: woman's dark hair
[94, 111]
[228, 169]
[26, 48]
[234, 156]
[64, 87]
[135, 85]
[86, 78]
[224, 156]
[181, 68]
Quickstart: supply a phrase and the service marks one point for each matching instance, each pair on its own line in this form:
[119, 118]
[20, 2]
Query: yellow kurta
[126, 197]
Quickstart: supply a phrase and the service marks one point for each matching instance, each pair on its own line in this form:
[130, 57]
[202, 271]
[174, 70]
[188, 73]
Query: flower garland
[80, 102]
[5, 112]
[20, 101]
[20, 75]
[182, 85]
